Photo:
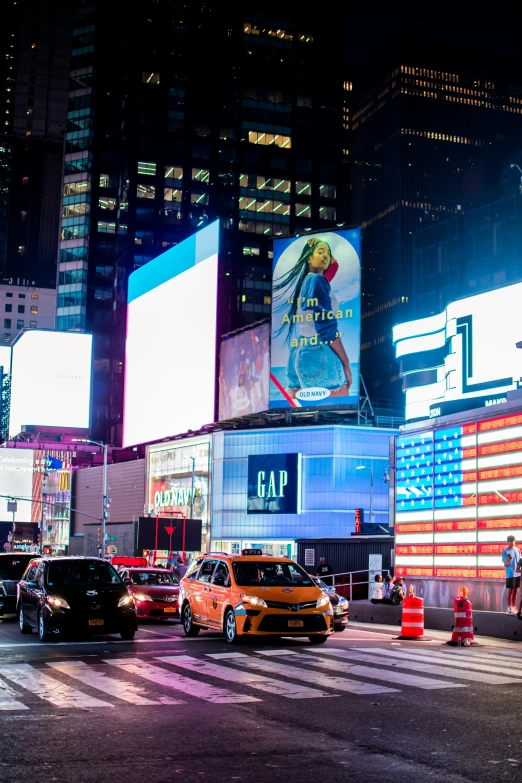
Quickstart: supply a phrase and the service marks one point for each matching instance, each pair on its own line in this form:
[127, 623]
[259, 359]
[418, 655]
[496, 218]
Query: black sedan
[340, 604]
[85, 595]
[12, 567]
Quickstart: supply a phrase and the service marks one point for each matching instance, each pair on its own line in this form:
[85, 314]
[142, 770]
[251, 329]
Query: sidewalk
[494, 625]
[392, 631]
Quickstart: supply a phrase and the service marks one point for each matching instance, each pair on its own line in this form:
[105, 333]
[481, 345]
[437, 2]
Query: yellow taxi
[253, 594]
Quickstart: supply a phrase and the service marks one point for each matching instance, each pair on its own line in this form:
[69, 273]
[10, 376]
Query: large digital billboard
[316, 320]
[458, 497]
[244, 373]
[465, 357]
[170, 354]
[50, 380]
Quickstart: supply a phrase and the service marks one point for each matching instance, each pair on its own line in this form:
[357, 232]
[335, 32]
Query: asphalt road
[363, 707]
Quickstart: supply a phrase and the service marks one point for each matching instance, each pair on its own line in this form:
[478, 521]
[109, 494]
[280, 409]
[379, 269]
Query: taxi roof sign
[251, 551]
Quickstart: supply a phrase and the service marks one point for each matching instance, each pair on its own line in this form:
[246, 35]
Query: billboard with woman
[316, 320]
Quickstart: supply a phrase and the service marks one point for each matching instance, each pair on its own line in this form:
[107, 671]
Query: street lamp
[370, 468]
[516, 166]
[386, 475]
[105, 499]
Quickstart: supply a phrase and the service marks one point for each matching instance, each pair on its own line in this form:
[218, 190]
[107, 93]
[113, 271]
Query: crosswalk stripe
[487, 658]
[267, 684]
[314, 678]
[99, 680]
[8, 700]
[178, 682]
[456, 662]
[401, 661]
[426, 683]
[45, 687]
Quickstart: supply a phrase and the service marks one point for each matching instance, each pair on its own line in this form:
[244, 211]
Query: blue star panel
[414, 480]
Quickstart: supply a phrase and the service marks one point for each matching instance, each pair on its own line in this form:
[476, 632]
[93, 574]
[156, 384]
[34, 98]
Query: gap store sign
[274, 484]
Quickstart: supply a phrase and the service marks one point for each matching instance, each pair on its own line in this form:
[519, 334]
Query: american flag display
[458, 497]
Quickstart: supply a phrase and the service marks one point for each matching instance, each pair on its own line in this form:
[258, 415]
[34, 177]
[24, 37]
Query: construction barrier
[463, 627]
[412, 617]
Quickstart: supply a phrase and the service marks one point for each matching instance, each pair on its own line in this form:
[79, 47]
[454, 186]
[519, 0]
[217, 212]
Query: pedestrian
[181, 569]
[397, 593]
[511, 558]
[324, 569]
[377, 590]
[387, 588]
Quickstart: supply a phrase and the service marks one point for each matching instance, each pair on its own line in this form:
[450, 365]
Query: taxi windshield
[145, 578]
[271, 574]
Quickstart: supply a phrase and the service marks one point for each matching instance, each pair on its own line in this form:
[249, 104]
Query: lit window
[303, 210]
[107, 203]
[248, 250]
[34, 310]
[104, 180]
[267, 300]
[201, 175]
[7, 337]
[21, 250]
[148, 169]
[202, 130]
[327, 213]
[304, 101]
[172, 194]
[347, 86]
[150, 77]
[303, 188]
[106, 228]
[146, 191]
[173, 172]
[268, 139]
[20, 324]
[32, 324]
[199, 198]
[76, 188]
[306, 37]
[34, 296]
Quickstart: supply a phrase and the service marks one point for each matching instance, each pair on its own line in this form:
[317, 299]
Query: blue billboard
[316, 320]
[274, 484]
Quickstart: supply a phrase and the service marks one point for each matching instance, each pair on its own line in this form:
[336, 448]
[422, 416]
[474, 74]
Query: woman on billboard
[317, 357]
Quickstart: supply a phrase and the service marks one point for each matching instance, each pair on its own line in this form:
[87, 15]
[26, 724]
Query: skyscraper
[180, 113]
[426, 117]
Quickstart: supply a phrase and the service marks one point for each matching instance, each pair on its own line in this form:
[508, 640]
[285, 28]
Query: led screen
[316, 320]
[50, 380]
[244, 373]
[458, 497]
[465, 357]
[170, 354]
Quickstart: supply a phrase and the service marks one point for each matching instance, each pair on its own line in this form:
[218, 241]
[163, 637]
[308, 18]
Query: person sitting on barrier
[377, 590]
[387, 588]
[397, 593]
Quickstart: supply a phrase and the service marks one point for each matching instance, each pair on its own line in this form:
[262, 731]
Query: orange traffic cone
[463, 625]
[412, 617]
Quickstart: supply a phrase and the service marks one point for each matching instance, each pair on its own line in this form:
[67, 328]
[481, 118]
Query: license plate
[96, 622]
[170, 609]
[295, 623]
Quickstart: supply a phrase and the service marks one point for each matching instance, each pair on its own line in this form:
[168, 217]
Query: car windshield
[273, 574]
[145, 578]
[80, 574]
[13, 567]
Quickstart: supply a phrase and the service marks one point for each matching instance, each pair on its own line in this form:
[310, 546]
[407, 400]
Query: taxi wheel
[188, 623]
[231, 634]
[317, 639]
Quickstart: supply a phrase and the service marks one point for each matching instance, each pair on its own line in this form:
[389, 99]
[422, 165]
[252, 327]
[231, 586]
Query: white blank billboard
[170, 352]
[50, 380]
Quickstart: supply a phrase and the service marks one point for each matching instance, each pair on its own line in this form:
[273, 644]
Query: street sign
[111, 550]
[111, 538]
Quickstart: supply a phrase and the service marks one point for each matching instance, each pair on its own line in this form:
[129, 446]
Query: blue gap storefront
[318, 491]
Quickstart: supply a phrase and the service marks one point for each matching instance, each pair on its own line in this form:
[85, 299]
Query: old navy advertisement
[316, 320]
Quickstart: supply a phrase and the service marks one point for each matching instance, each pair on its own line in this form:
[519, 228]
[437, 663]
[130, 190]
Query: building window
[34, 309]
[199, 198]
[104, 180]
[327, 213]
[34, 296]
[202, 130]
[303, 210]
[21, 308]
[146, 191]
[21, 250]
[76, 188]
[148, 169]
[107, 203]
[106, 228]
[304, 101]
[267, 139]
[21, 296]
[9, 295]
[32, 324]
[7, 323]
[9, 308]
[19, 324]
[201, 175]
[172, 194]
[327, 191]
[303, 188]
[150, 77]
[7, 337]
[227, 133]
[173, 172]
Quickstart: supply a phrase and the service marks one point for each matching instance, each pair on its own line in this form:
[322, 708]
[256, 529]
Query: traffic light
[99, 539]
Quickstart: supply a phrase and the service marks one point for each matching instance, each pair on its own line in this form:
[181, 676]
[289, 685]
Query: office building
[425, 121]
[181, 113]
[26, 307]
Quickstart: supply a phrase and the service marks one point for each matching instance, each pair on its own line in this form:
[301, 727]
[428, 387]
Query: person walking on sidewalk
[511, 558]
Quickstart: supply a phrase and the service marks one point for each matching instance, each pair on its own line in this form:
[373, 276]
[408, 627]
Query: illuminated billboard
[244, 373]
[458, 497]
[316, 320]
[465, 357]
[170, 353]
[50, 380]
